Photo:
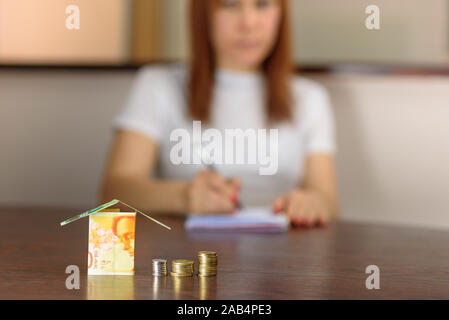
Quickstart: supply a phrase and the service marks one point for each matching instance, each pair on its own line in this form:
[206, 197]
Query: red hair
[277, 67]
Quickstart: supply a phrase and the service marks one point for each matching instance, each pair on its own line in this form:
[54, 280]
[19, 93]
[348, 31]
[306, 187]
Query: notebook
[248, 219]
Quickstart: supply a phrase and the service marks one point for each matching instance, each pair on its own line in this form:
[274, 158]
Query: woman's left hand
[304, 208]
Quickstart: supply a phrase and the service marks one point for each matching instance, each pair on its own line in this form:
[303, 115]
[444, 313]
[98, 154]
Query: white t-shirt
[157, 108]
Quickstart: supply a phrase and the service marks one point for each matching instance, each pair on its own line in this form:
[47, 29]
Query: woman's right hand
[209, 192]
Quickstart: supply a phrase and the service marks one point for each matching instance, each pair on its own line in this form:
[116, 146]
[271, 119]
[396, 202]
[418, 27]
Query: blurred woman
[239, 77]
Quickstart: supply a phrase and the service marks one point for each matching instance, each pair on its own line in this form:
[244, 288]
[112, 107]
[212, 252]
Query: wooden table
[301, 264]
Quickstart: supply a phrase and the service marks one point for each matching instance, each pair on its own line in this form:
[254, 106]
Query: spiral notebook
[248, 219]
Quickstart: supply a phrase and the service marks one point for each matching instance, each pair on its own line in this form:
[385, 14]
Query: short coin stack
[181, 268]
[159, 267]
[207, 263]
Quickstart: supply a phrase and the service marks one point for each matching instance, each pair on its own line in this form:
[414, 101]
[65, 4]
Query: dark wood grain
[301, 264]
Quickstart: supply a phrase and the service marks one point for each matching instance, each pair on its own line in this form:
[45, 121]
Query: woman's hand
[304, 208]
[209, 192]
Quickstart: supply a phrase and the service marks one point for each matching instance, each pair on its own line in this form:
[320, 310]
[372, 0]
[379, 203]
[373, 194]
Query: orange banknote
[111, 243]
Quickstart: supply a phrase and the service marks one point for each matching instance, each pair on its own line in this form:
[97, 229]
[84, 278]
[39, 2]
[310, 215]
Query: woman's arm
[315, 201]
[128, 177]
[320, 179]
[129, 167]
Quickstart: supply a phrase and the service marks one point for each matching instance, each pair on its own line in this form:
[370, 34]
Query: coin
[174, 274]
[208, 262]
[182, 268]
[182, 261]
[159, 267]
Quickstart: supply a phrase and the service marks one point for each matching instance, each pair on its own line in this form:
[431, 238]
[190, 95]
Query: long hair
[277, 67]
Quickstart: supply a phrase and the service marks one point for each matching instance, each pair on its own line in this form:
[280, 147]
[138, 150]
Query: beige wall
[35, 32]
[31, 31]
[392, 136]
[412, 31]
[54, 134]
[175, 29]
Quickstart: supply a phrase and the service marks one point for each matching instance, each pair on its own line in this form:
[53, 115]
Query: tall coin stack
[181, 268]
[207, 263]
[159, 267]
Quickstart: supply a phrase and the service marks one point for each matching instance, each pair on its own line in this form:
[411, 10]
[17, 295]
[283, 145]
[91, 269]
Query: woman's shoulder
[307, 88]
[163, 76]
[310, 99]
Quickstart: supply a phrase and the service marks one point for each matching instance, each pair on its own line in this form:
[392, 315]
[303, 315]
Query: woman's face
[244, 32]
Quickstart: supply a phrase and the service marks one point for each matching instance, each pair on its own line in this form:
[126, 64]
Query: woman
[239, 76]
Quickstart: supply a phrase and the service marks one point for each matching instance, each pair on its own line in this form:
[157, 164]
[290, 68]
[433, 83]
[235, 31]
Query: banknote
[111, 238]
[111, 243]
[108, 205]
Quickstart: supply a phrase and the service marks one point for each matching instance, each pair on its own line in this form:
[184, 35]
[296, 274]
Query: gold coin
[182, 261]
[174, 274]
[207, 270]
[207, 253]
[204, 257]
[207, 263]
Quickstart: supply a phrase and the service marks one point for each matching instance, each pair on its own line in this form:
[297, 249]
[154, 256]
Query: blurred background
[60, 89]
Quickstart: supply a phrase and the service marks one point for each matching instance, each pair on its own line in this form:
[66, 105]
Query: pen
[212, 167]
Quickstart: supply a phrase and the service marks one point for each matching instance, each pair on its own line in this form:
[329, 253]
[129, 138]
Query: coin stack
[181, 268]
[207, 263]
[159, 267]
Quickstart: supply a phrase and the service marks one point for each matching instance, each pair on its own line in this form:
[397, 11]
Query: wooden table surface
[301, 264]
